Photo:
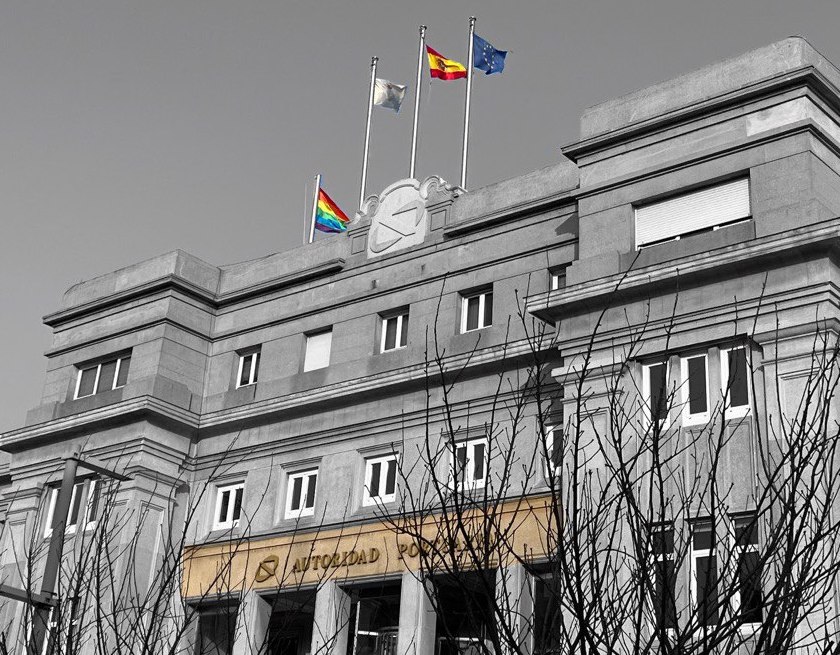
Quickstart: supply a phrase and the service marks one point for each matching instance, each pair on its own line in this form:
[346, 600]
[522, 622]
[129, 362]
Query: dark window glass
[75, 504]
[548, 616]
[461, 459]
[237, 504]
[746, 531]
[472, 313]
[216, 630]
[478, 464]
[488, 308]
[665, 577]
[223, 508]
[297, 486]
[749, 586]
[256, 366]
[374, 479]
[738, 391]
[404, 333]
[391, 333]
[707, 609]
[658, 392]
[310, 492]
[93, 501]
[87, 382]
[557, 446]
[391, 478]
[122, 376]
[697, 401]
[106, 376]
[663, 542]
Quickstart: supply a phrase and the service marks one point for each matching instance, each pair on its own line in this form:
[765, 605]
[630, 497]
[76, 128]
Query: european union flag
[486, 57]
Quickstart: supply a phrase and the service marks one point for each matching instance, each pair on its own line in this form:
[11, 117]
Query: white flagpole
[314, 207]
[467, 106]
[420, 55]
[373, 61]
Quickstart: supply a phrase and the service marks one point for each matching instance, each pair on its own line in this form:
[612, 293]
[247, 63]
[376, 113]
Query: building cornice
[553, 305]
[805, 76]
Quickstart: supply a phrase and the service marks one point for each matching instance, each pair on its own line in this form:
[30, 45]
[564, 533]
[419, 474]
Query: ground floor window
[375, 619]
[290, 625]
[547, 615]
[465, 618]
[216, 630]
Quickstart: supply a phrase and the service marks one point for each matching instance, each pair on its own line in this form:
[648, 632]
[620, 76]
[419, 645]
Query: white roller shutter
[693, 211]
[318, 348]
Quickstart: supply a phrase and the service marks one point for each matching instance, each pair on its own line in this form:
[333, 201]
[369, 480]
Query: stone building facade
[278, 394]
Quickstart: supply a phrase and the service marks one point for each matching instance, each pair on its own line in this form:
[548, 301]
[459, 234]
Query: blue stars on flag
[486, 57]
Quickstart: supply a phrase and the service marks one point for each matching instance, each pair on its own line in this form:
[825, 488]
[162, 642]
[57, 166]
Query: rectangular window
[105, 376]
[394, 332]
[704, 573]
[695, 390]
[469, 469]
[318, 348]
[300, 494]
[696, 211]
[553, 449]
[748, 600]
[249, 367]
[85, 491]
[228, 506]
[557, 278]
[735, 374]
[380, 480]
[548, 615]
[655, 391]
[476, 311]
[664, 576]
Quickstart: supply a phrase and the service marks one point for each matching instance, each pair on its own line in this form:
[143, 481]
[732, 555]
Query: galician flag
[443, 68]
[387, 94]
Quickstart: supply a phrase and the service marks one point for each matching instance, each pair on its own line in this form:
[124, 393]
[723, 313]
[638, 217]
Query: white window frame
[86, 487]
[646, 393]
[688, 418]
[307, 364]
[229, 521]
[96, 381]
[381, 498]
[554, 277]
[549, 450]
[482, 299]
[467, 477]
[737, 550]
[399, 337]
[254, 364]
[740, 411]
[303, 510]
[695, 554]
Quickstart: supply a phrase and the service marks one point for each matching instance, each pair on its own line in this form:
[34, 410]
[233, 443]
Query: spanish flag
[443, 68]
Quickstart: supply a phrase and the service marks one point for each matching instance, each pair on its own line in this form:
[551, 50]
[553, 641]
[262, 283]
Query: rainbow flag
[443, 68]
[328, 217]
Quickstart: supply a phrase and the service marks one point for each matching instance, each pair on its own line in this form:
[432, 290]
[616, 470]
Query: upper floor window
[380, 480]
[655, 391]
[664, 574]
[228, 506]
[300, 494]
[554, 449]
[394, 331]
[107, 375]
[557, 278]
[476, 310]
[696, 211]
[469, 467]
[736, 379]
[84, 506]
[249, 367]
[695, 389]
[318, 348]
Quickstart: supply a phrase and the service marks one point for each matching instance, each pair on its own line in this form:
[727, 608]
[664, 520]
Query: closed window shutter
[317, 351]
[699, 210]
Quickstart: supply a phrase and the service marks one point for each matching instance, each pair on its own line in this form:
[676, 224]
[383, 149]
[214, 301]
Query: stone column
[515, 595]
[331, 625]
[417, 618]
[252, 624]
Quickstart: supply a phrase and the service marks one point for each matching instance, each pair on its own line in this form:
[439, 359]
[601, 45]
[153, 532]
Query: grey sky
[130, 128]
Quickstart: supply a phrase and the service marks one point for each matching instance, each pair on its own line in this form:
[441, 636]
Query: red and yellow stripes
[443, 68]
